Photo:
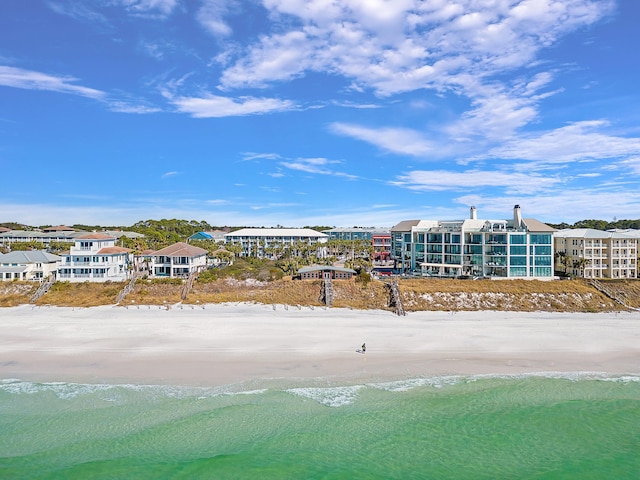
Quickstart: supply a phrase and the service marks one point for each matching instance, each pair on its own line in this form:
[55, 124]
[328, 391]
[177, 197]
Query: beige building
[28, 265]
[606, 254]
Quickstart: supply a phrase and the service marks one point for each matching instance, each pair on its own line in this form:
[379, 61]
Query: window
[434, 238]
[452, 249]
[543, 260]
[543, 250]
[542, 271]
[518, 239]
[518, 250]
[540, 239]
[518, 261]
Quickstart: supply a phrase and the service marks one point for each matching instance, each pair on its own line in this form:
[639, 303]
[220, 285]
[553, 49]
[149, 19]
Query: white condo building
[256, 242]
[610, 254]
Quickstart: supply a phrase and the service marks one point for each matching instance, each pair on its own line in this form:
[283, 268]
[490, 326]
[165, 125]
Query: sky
[320, 112]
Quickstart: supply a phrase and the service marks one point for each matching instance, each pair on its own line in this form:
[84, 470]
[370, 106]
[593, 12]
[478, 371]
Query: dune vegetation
[417, 294]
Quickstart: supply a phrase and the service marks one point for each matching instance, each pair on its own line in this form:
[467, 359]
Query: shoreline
[217, 345]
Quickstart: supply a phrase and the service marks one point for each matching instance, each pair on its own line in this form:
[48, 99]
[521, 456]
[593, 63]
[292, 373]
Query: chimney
[474, 215]
[517, 216]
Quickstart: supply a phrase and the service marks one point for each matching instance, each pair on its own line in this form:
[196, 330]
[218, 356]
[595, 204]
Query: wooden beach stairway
[326, 292]
[611, 294]
[395, 299]
[188, 285]
[128, 287]
[42, 289]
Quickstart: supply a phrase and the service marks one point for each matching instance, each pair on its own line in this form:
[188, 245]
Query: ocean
[542, 426]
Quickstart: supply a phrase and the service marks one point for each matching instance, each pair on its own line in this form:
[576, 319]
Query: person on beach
[364, 348]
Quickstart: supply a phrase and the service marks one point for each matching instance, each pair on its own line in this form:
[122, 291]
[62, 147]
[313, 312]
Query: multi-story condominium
[381, 246]
[401, 244]
[380, 239]
[355, 233]
[54, 234]
[177, 261]
[259, 242]
[28, 265]
[94, 257]
[513, 248]
[598, 254]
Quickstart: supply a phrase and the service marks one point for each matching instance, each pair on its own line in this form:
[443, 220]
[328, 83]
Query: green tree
[580, 264]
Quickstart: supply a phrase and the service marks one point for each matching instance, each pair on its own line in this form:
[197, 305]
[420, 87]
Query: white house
[177, 260]
[95, 258]
[28, 265]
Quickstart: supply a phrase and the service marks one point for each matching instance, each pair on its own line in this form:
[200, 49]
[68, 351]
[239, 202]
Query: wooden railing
[611, 294]
[395, 299]
[128, 287]
[42, 289]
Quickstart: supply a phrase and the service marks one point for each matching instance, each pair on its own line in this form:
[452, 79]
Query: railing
[611, 294]
[42, 289]
[128, 288]
[395, 299]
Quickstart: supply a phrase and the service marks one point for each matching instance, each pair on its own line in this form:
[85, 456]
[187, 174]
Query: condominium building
[95, 258]
[597, 254]
[54, 235]
[380, 239]
[513, 248]
[260, 242]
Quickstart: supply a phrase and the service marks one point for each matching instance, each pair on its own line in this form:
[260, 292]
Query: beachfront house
[325, 272]
[95, 257]
[590, 253]
[30, 265]
[498, 249]
[177, 261]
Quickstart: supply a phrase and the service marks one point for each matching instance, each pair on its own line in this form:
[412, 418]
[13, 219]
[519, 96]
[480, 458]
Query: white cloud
[159, 9]
[31, 80]
[394, 46]
[395, 140]
[211, 16]
[210, 106]
[316, 166]
[403, 45]
[443, 180]
[125, 107]
[578, 141]
[565, 205]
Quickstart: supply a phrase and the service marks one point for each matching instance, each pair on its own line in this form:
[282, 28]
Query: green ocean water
[545, 426]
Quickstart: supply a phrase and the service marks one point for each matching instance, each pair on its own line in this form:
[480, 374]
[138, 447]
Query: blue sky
[318, 112]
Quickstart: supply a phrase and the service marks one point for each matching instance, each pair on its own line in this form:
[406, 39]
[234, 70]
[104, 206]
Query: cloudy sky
[318, 112]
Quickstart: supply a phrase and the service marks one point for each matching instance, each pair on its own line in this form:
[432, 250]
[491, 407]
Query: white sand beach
[214, 345]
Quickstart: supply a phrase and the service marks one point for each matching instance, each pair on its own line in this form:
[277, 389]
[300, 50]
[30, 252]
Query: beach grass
[417, 294]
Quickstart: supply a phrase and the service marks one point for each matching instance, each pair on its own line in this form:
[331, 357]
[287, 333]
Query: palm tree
[580, 264]
[564, 260]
